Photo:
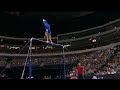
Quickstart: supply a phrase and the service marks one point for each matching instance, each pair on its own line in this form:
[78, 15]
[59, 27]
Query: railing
[60, 54]
[20, 39]
[80, 38]
[90, 31]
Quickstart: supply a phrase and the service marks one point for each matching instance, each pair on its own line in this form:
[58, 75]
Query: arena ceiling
[60, 14]
[29, 24]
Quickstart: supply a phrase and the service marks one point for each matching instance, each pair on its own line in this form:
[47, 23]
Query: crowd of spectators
[100, 62]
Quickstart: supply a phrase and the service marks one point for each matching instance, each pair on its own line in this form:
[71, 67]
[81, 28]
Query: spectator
[80, 71]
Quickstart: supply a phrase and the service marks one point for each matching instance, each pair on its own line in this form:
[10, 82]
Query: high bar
[48, 43]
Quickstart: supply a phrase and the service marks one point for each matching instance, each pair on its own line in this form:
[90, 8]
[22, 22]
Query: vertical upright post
[30, 69]
[30, 61]
[64, 70]
[64, 64]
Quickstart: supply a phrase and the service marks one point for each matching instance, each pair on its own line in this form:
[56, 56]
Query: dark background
[29, 24]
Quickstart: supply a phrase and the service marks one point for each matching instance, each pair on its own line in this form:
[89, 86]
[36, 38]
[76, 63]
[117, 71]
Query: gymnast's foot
[51, 42]
[47, 41]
